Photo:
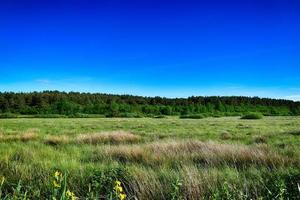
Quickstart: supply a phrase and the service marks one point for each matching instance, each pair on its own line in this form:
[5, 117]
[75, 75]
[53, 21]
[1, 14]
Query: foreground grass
[211, 158]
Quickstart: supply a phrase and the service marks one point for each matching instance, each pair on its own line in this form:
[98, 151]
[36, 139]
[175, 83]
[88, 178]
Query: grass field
[168, 158]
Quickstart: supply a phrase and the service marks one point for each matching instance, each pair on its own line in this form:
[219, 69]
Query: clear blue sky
[152, 47]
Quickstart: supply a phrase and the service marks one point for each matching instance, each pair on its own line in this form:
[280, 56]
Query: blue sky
[152, 47]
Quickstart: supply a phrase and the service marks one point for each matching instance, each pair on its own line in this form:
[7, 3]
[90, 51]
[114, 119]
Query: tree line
[75, 103]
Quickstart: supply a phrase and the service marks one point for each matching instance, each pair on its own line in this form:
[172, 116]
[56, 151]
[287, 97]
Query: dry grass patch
[28, 135]
[199, 153]
[151, 184]
[225, 136]
[131, 153]
[196, 183]
[56, 140]
[108, 137]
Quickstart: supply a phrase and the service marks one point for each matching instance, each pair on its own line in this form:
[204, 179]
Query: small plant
[18, 192]
[107, 184]
[226, 190]
[281, 189]
[176, 187]
[2, 180]
[59, 186]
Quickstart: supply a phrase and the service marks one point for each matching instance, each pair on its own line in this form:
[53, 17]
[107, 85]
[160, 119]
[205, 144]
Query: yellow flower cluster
[119, 190]
[57, 179]
[70, 195]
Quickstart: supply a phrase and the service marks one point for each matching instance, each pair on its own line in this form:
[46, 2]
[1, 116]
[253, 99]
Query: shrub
[252, 116]
[130, 115]
[217, 115]
[8, 115]
[78, 115]
[231, 114]
[260, 140]
[295, 133]
[195, 116]
[159, 116]
[225, 136]
[50, 116]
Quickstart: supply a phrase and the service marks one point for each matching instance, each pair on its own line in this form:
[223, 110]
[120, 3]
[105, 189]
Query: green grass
[163, 158]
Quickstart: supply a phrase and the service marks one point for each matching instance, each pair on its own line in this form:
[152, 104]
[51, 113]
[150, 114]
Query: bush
[225, 136]
[130, 115]
[196, 116]
[217, 115]
[78, 115]
[8, 115]
[231, 114]
[159, 116]
[295, 133]
[260, 140]
[83, 115]
[252, 116]
[50, 116]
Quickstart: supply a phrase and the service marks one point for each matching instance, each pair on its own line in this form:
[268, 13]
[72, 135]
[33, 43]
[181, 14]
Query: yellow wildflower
[70, 195]
[122, 196]
[56, 184]
[119, 190]
[57, 175]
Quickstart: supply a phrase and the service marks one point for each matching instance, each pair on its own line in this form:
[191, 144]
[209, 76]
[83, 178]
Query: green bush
[195, 116]
[252, 116]
[83, 115]
[295, 133]
[50, 116]
[130, 115]
[159, 116]
[8, 115]
[217, 115]
[231, 114]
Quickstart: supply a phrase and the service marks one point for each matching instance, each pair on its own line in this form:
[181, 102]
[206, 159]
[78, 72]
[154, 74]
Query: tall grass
[104, 137]
[153, 159]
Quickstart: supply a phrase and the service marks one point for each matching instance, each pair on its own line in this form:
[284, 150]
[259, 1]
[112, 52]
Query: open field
[168, 158]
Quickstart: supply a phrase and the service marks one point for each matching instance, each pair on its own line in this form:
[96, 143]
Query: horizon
[126, 94]
[173, 49]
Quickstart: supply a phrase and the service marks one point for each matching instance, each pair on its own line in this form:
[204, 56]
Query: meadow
[147, 158]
